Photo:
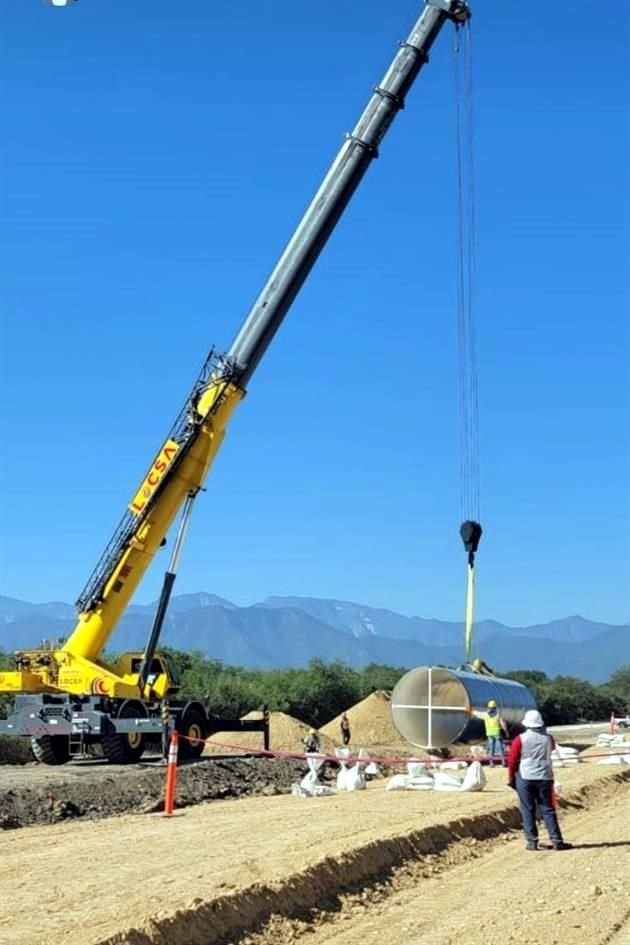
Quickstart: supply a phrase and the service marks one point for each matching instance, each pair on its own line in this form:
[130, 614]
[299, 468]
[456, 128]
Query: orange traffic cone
[612, 723]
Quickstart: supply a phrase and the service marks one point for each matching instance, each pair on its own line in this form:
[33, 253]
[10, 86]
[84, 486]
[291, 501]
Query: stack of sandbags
[564, 754]
[419, 778]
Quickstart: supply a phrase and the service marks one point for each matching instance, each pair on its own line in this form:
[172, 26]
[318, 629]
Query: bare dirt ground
[408, 868]
[37, 794]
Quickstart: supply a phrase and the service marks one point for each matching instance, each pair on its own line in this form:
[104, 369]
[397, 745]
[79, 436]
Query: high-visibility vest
[492, 724]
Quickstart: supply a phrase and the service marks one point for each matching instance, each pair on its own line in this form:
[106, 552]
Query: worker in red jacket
[531, 774]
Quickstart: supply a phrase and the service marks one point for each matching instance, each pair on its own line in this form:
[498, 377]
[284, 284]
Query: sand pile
[285, 734]
[371, 725]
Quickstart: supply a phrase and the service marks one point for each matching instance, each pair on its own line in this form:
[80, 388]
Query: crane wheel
[128, 748]
[51, 749]
[194, 728]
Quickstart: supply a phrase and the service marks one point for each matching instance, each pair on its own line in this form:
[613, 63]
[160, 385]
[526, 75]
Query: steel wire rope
[466, 249]
[468, 393]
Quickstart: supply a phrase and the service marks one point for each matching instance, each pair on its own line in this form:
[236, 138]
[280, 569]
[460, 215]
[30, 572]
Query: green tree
[329, 689]
[376, 676]
[619, 687]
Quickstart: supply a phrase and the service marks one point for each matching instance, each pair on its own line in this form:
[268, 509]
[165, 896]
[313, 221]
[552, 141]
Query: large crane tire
[193, 729]
[128, 748]
[51, 749]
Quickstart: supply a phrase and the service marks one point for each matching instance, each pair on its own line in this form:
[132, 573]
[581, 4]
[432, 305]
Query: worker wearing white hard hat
[530, 773]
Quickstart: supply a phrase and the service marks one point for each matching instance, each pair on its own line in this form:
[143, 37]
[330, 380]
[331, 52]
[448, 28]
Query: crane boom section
[338, 186]
[95, 626]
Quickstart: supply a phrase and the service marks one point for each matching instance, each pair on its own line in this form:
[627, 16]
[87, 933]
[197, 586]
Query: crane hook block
[471, 535]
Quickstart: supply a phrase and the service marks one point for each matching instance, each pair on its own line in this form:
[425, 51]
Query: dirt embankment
[578, 897]
[36, 795]
[14, 751]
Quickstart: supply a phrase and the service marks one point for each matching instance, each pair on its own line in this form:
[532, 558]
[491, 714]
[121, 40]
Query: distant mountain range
[288, 631]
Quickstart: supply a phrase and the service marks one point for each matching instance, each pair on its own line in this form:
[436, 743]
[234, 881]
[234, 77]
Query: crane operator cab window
[160, 665]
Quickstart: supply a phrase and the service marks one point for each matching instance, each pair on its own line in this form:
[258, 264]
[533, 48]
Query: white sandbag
[446, 782]
[475, 778]
[309, 780]
[322, 790]
[298, 791]
[605, 739]
[373, 770]
[314, 763]
[342, 752]
[415, 769]
[355, 778]
[559, 762]
[311, 790]
[421, 784]
[351, 778]
[453, 766]
[397, 783]
[613, 760]
[566, 751]
[310, 785]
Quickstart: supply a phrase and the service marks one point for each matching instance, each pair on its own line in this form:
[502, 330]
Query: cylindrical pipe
[432, 707]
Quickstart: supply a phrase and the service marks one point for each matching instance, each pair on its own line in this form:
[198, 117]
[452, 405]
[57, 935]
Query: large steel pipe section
[432, 706]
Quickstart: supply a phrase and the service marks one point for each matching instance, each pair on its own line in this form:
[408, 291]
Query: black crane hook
[471, 536]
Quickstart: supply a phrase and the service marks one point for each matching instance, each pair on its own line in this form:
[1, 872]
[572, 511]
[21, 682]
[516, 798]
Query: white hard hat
[533, 719]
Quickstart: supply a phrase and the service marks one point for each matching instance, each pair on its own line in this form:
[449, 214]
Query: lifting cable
[470, 529]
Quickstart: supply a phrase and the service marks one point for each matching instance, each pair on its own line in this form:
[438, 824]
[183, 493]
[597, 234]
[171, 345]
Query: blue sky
[156, 157]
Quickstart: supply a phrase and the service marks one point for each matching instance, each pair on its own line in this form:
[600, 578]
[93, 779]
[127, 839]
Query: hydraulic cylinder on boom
[69, 689]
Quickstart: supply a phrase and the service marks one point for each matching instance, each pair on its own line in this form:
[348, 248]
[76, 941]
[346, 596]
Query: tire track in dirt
[272, 913]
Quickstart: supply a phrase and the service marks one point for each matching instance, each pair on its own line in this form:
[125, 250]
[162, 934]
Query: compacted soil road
[402, 868]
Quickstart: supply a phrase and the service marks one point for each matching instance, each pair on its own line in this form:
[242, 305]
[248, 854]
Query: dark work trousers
[532, 794]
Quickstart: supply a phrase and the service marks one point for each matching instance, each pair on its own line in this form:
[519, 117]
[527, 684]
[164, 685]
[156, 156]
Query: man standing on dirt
[530, 773]
[345, 729]
[494, 726]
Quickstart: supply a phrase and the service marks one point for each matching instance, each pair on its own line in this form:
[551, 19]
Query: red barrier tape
[353, 759]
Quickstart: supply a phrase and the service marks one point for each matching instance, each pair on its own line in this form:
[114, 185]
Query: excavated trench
[270, 913]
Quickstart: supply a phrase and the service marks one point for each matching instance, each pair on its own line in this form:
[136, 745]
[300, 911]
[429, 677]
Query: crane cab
[163, 679]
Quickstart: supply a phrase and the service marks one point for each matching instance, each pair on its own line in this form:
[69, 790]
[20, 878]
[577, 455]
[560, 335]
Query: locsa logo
[155, 475]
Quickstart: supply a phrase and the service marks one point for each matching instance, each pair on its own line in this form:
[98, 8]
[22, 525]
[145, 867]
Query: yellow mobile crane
[69, 697]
